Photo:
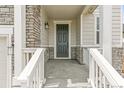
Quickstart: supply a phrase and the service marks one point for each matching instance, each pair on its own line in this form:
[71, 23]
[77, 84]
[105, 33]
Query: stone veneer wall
[51, 52]
[46, 55]
[117, 58]
[33, 25]
[6, 15]
[79, 54]
[73, 52]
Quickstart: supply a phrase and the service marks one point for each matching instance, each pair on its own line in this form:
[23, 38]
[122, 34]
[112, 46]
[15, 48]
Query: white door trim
[7, 32]
[62, 22]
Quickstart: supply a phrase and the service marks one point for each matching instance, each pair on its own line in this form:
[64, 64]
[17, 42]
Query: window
[97, 30]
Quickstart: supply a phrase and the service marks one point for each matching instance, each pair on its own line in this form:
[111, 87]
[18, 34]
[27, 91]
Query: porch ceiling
[63, 12]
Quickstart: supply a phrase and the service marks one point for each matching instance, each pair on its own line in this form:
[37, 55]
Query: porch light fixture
[46, 25]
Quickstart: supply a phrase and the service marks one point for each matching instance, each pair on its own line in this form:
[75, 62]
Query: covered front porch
[68, 55]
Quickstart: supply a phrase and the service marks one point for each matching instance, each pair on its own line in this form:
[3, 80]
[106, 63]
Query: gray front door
[62, 37]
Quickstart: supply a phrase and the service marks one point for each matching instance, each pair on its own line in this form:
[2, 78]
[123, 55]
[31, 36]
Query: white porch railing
[102, 74]
[33, 74]
[27, 54]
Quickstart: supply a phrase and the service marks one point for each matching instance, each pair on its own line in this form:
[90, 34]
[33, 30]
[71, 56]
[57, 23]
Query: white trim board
[62, 22]
[7, 32]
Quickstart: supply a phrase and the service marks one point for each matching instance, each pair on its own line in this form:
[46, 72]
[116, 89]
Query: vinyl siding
[78, 32]
[88, 27]
[116, 26]
[51, 33]
[88, 34]
[73, 32]
[44, 32]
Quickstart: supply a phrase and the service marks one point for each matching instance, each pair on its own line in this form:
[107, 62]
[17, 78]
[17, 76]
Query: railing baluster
[96, 75]
[33, 73]
[26, 58]
[37, 76]
[100, 78]
[93, 70]
[90, 69]
[104, 82]
[106, 75]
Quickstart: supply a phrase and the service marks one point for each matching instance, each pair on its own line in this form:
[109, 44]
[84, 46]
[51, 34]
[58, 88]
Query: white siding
[73, 33]
[88, 34]
[88, 30]
[116, 26]
[51, 33]
[44, 32]
[78, 32]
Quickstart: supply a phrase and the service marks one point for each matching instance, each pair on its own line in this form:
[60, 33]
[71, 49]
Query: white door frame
[62, 22]
[7, 31]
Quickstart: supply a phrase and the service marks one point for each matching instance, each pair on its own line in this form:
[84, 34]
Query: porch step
[78, 85]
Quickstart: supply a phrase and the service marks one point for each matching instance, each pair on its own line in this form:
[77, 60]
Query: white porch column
[19, 36]
[106, 31]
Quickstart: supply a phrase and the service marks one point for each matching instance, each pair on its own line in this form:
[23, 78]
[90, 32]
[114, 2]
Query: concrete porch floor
[66, 73]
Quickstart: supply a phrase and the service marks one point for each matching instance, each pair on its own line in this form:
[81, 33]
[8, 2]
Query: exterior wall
[73, 33]
[44, 32]
[73, 53]
[33, 26]
[117, 54]
[88, 32]
[79, 54]
[116, 26]
[78, 31]
[79, 49]
[51, 33]
[76, 50]
[51, 52]
[46, 55]
[6, 15]
[73, 38]
[7, 18]
[51, 39]
[36, 34]
[117, 49]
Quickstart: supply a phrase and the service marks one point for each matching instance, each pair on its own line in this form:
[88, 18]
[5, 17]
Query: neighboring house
[33, 37]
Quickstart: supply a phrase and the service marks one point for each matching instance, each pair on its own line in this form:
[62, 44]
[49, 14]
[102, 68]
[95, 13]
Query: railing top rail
[111, 74]
[31, 64]
[26, 50]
